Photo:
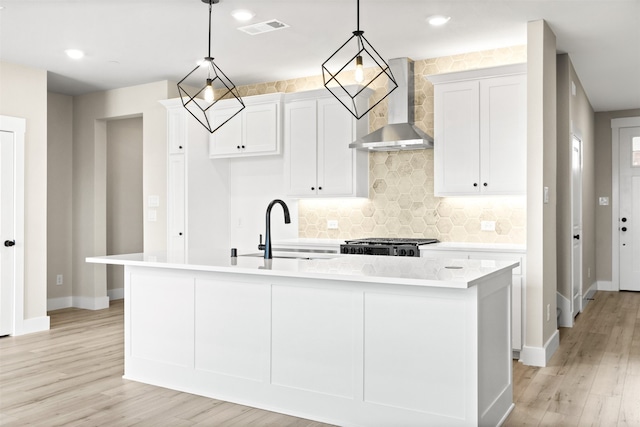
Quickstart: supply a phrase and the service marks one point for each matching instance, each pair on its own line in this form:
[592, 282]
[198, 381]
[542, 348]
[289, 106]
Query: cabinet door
[228, 138]
[176, 130]
[503, 135]
[176, 205]
[260, 127]
[300, 153]
[336, 130]
[457, 143]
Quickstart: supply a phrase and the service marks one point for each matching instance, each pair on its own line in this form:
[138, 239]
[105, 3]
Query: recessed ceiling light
[242, 14]
[74, 53]
[438, 20]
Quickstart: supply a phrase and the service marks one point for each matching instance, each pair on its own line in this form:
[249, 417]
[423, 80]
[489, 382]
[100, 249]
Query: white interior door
[7, 232]
[629, 218]
[576, 225]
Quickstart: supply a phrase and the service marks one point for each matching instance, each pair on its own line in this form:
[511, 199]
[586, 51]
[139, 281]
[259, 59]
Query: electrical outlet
[332, 224]
[548, 312]
[488, 225]
[59, 279]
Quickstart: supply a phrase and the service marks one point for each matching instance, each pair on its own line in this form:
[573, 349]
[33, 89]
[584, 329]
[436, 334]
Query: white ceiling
[130, 42]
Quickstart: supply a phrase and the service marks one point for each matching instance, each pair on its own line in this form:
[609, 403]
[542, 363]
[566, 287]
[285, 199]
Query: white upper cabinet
[255, 131]
[318, 160]
[480, 132]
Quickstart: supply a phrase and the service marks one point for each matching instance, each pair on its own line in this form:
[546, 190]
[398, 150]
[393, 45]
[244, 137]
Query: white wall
[253, 183]
[23, 93]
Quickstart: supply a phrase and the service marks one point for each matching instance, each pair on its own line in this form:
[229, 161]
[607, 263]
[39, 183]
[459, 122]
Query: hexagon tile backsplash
[401, 201]
[401, 204]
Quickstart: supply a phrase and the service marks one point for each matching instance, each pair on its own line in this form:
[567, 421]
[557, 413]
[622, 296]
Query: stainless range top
[388, 246]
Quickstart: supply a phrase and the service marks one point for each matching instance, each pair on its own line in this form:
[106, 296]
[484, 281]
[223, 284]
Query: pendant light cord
[358, 15]
[210, 4]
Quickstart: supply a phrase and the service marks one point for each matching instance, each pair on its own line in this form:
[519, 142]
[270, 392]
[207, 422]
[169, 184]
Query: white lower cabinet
[318, 160]
[518, 281]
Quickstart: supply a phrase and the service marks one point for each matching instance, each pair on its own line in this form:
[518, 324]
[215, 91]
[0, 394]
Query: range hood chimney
[400, 133]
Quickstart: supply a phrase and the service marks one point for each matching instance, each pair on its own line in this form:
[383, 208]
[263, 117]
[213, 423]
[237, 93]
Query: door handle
[9, 243]
[576, 236]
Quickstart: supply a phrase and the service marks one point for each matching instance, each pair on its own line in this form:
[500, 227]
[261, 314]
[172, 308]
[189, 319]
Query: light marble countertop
[414, 271]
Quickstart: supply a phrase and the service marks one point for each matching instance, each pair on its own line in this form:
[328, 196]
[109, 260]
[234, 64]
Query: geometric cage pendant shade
[356, 65]
[205, 86]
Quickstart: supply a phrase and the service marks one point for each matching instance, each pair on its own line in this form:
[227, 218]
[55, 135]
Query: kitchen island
[348, 340]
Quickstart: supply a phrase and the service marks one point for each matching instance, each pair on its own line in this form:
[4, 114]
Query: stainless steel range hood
[400, 133]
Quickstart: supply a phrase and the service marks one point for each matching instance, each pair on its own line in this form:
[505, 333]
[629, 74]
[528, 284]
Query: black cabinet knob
[313, 188]
[624, 220]
[485, 184]
[623, 229]
[475, 184]
[180, 147]
[319, 188]
[9, 243]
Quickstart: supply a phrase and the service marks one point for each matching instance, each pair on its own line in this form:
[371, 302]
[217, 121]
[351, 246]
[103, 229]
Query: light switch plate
[332, 224]
[603, 201]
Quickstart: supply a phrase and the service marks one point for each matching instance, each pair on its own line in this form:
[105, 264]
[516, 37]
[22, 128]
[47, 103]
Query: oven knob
[411, 252]
[344, 250]
[353, 250]
[403, 252]
[360, 250]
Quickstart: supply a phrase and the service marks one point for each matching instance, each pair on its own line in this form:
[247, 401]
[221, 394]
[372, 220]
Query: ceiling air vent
[264, 27]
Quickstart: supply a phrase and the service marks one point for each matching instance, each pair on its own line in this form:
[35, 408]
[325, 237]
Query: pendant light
[355, 66]
[197, 89]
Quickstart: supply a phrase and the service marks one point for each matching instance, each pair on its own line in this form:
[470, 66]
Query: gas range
[385, 246]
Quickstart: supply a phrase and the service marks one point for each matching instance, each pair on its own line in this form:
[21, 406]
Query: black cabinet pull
[485, 184]
[9, 243]
[475, 184]
[319, 188]
[313, 188]
[623, 229]
[624, 220]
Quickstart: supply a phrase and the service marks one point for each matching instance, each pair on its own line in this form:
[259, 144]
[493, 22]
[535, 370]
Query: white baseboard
[35, 324]
[89, 303]
[606, 286]
[114, 294]
[564, 304]
[86, 303]
[540, 356]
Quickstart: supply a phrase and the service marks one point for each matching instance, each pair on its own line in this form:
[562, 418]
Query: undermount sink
[295, 255]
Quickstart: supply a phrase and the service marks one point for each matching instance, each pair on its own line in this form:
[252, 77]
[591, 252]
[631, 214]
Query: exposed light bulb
[359, 76]
[208, 91]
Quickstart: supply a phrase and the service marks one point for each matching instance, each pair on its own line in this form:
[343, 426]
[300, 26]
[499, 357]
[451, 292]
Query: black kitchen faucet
[267, 239]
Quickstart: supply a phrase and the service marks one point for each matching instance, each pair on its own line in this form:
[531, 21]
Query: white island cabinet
[349, 340]
[491, 253]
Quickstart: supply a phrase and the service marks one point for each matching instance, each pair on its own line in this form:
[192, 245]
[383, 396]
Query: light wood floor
[72, 376]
